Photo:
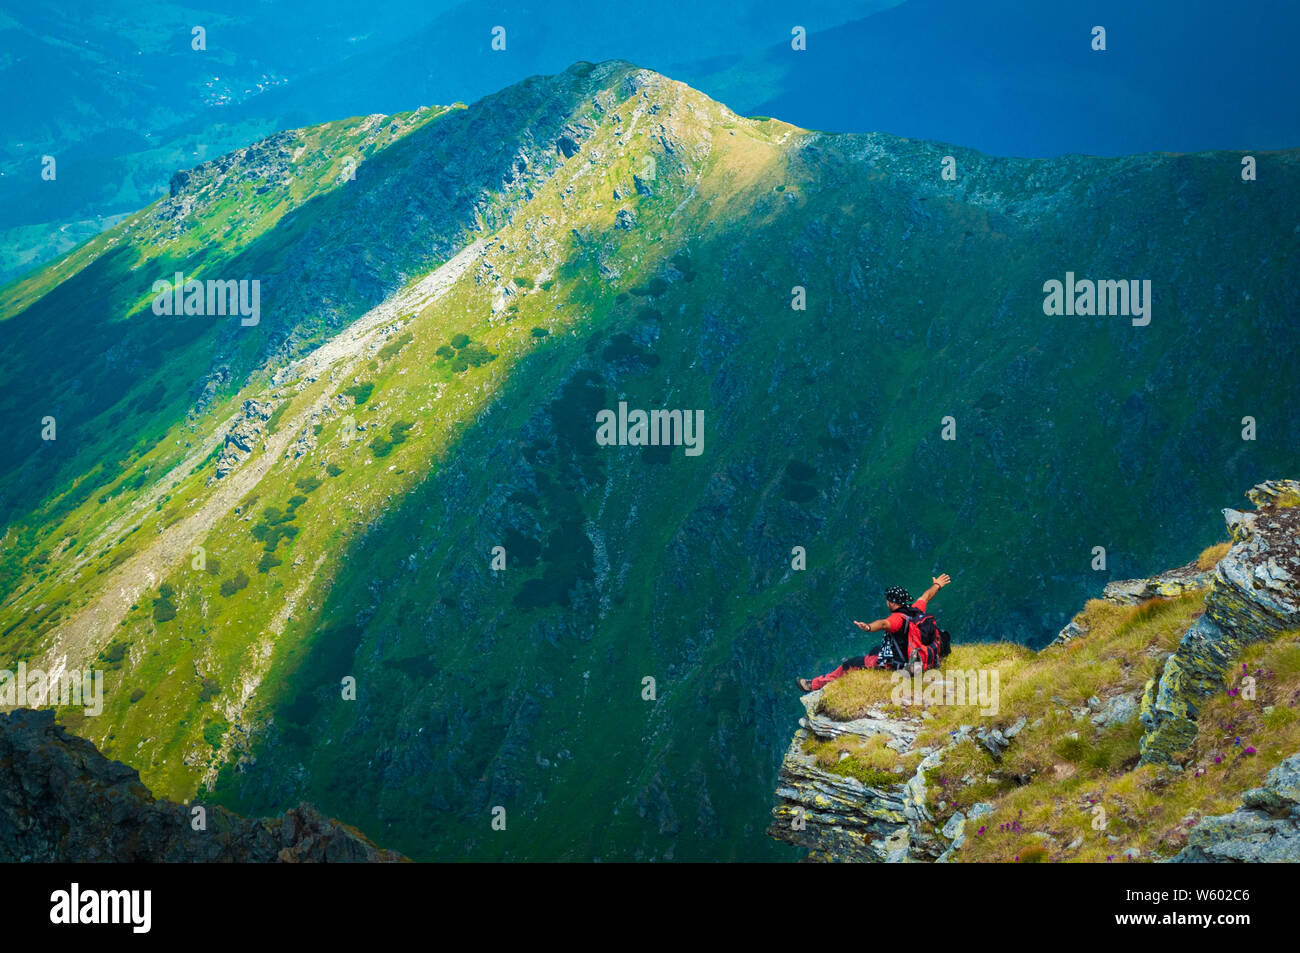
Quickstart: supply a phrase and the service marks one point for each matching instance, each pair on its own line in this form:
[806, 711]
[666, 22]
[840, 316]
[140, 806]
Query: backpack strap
[911, 616]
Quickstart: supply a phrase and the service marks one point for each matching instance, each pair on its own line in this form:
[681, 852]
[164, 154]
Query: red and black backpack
[935, 642]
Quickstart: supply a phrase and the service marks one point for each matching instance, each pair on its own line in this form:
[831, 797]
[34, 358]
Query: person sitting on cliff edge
[914, 653]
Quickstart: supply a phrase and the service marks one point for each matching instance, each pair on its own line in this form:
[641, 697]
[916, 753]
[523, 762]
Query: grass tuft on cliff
[1210, 557]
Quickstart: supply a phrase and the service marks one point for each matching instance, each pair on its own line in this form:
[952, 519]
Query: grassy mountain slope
[436, 339]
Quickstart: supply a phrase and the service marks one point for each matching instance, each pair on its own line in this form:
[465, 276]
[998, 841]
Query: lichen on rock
[1254, 595]
[1175, 582]
[835, 815]
[1266, 829]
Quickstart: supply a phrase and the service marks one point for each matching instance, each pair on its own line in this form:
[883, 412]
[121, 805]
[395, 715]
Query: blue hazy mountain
[114, 91]
[1021, 79]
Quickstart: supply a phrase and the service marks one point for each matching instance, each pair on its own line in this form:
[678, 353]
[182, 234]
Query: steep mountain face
[63, 801]
[1068, 756]
[437, 337]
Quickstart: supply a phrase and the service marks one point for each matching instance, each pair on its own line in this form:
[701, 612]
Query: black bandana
[898, 595]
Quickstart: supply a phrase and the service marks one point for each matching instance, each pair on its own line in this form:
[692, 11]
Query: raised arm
[939, 582]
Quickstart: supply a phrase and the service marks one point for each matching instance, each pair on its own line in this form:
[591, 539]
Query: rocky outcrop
[270, 160]
[1254, 596]
[62, 800]
[835, 816]
[840, 818]
[243, 436]
[1266, 829]
[1167, 585]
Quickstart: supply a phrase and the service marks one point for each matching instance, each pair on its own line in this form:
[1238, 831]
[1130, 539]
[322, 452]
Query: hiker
[894, 651]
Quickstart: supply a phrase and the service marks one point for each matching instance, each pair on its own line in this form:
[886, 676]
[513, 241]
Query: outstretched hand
[942, 580]
[861, 625]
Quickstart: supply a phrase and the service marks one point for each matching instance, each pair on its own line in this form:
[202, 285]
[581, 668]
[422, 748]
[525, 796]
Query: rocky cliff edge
[1160, 725]
[62, 800]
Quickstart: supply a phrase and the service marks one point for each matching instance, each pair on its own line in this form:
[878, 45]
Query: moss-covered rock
[1166, 585]
[835, 814]
[1265, 830]
[1254, 596]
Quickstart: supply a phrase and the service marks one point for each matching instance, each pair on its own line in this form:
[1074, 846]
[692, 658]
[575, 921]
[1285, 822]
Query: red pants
[866, 661]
